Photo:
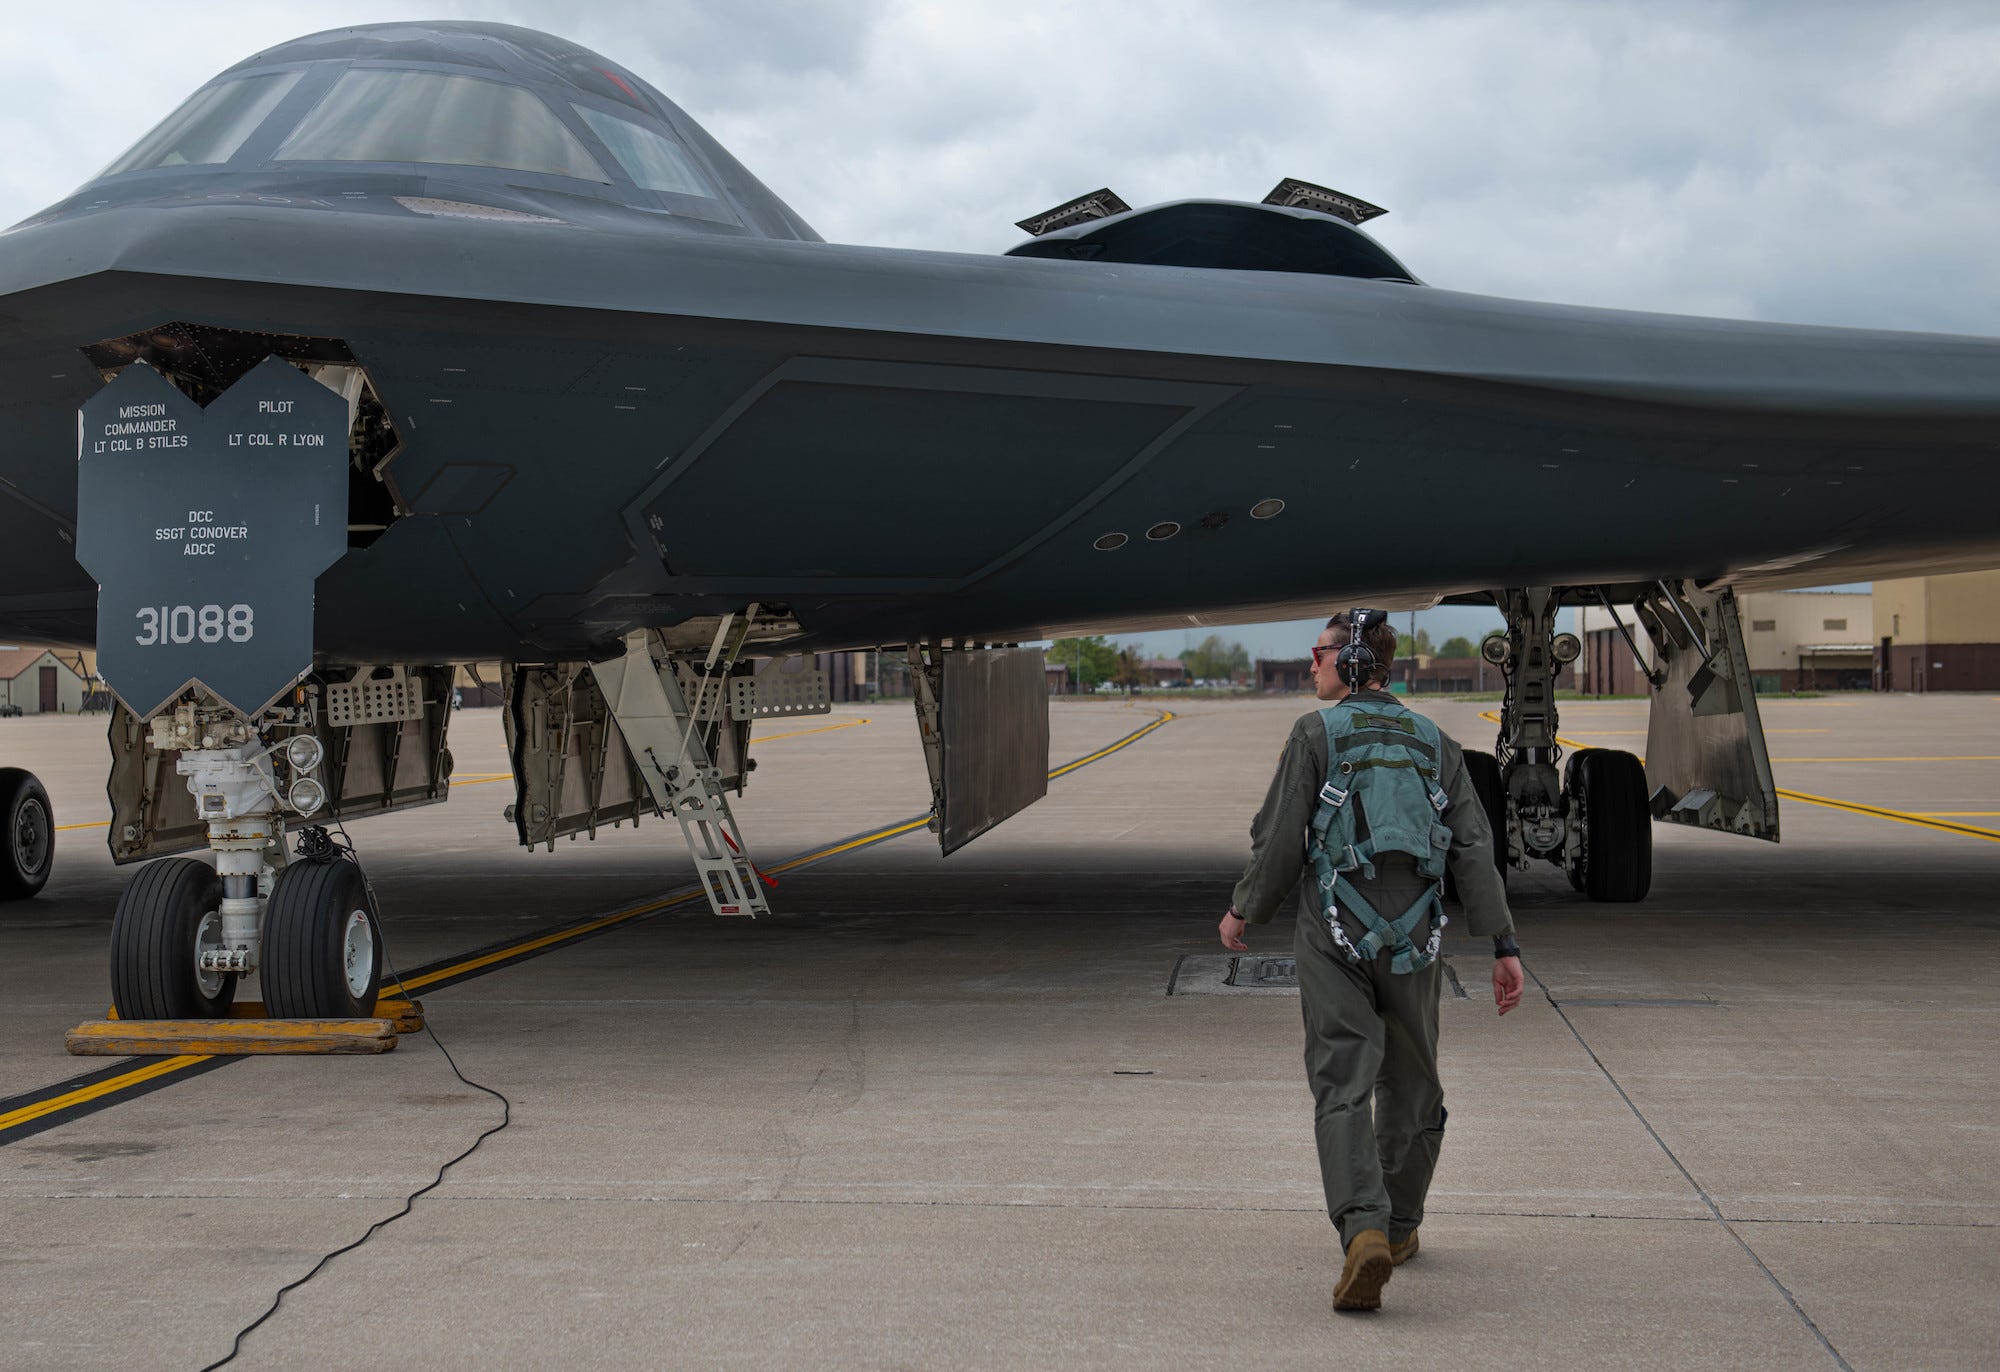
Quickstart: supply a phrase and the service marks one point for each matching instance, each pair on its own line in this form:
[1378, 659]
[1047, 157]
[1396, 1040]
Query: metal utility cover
[1222, 974]
[205, 530]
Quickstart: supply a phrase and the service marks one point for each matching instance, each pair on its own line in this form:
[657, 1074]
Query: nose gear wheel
[322, 949]
[156, 944]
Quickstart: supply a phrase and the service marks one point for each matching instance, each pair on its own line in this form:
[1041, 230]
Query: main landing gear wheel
[169, 914]
[1483, 771]
[1607, 790]
[322, 951]
[27, 834]
[1573, 788]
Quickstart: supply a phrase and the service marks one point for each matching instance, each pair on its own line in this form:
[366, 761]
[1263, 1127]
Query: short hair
[1379, 638]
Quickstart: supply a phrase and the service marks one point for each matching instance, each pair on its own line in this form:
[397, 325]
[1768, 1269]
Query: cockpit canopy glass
[653, 161]
[211, 126]
[419, 116]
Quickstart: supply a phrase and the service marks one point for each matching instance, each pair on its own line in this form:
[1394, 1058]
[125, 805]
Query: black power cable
[316, 845]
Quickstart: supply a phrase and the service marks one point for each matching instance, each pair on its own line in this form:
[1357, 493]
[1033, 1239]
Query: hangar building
[1939, 633]
[34, 681]
[1798, 641]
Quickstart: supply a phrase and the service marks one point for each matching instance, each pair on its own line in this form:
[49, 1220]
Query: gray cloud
[1816, 162]
[1825, 162]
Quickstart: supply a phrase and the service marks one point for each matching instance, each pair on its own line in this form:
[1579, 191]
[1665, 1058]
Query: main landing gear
[27, 834]
[1593, 819]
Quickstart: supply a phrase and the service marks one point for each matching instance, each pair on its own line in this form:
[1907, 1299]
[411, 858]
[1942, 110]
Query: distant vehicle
[9, 710]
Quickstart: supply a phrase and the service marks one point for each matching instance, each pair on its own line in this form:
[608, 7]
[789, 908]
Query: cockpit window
[211, 126]
[419, 116]
[652, 160]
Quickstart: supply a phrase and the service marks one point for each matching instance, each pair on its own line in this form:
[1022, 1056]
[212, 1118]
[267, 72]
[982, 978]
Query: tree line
[1096, 660]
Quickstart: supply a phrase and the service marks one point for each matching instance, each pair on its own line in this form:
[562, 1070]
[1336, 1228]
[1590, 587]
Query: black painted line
[201, 1065]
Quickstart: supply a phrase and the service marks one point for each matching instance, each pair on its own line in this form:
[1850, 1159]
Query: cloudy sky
[1824, 162]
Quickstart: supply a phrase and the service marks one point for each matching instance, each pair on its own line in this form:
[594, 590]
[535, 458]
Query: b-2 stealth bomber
[409, 345]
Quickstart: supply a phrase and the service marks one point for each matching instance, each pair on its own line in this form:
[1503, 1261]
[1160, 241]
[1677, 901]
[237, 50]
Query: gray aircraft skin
[629, 387]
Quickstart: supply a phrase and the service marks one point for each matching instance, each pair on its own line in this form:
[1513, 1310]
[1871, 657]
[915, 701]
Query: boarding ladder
[663, 717]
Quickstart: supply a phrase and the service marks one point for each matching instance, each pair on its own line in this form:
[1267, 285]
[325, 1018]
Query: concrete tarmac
[942, 1113]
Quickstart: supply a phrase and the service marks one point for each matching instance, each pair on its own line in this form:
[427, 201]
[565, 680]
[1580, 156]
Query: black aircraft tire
[322, 949]
[27, 834]
[1483, 771]
[1573, 788]
[156, 936]
[1618, 825]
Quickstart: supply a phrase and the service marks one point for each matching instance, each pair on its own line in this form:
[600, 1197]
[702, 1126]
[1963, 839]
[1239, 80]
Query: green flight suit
[1371, 1034]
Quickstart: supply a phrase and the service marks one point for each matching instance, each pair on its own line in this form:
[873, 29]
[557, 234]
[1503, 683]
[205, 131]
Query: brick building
[1938, 633]
[1797, 641]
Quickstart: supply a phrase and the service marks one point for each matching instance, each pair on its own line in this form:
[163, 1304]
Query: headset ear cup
[1356, 664]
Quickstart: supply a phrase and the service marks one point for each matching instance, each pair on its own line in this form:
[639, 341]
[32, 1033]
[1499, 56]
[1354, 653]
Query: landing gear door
[205, 530]
[1706, 763]
[984, 714]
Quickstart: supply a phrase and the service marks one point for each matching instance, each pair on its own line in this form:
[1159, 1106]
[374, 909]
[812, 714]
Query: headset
[1357, 662]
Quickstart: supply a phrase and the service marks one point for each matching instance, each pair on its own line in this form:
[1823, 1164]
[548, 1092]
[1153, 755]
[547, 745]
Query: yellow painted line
[1958, 814]
[1124, 742]
[894, 831]
[83, 1094]
[1993, 758]
[801, 733]
[1872, 811]
[1877, 812]
[94, 824]
[1607, 733]
[417, 983]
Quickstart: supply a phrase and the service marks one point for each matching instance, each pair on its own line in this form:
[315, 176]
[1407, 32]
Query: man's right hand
[1231, 929]
[1508, 983]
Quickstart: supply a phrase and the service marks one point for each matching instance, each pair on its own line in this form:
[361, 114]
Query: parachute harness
[1391, 757]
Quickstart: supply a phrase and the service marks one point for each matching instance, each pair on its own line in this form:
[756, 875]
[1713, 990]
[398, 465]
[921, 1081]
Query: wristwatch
[1505, 947]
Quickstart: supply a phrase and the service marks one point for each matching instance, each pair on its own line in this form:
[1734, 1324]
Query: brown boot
[1365, 1273]
[1403, 1249]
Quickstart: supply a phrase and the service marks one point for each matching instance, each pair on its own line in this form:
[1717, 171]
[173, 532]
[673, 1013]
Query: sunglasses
[1321, 650]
